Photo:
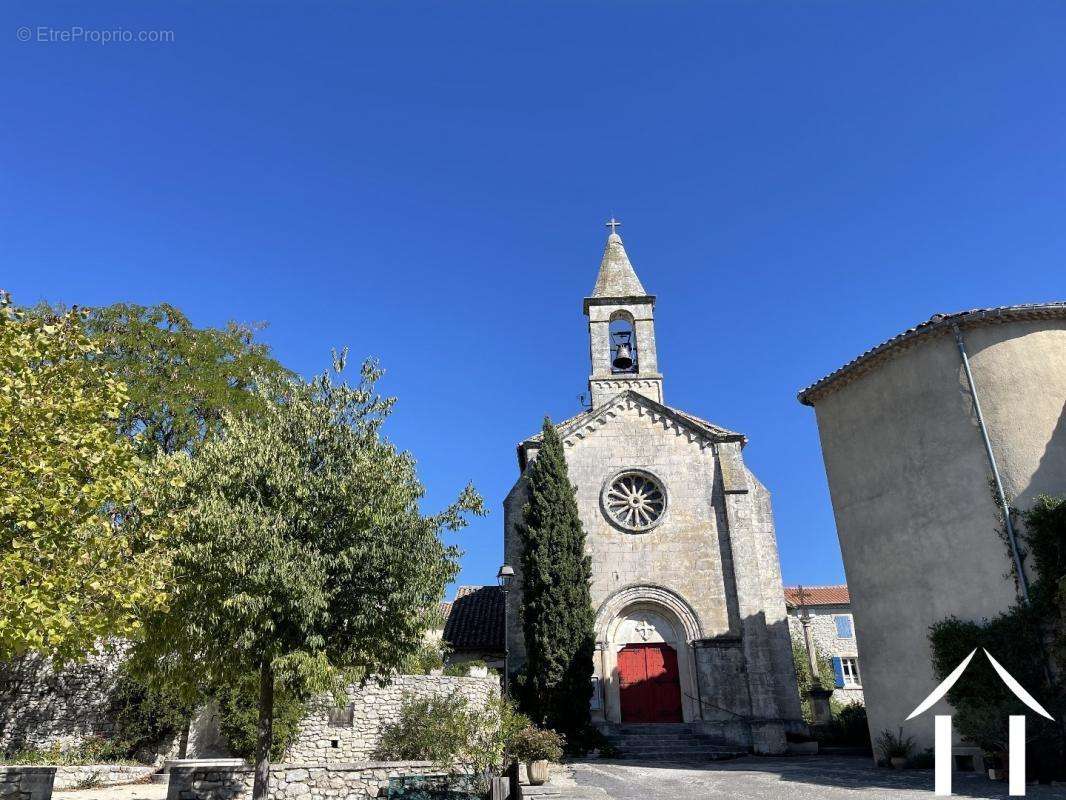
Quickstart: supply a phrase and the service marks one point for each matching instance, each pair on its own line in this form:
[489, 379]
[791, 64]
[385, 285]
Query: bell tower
[621, 329]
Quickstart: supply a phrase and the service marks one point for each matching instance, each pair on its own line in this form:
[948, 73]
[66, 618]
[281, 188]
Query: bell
[622, 357]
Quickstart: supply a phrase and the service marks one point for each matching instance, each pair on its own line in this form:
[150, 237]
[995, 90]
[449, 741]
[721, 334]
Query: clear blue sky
[428, 182]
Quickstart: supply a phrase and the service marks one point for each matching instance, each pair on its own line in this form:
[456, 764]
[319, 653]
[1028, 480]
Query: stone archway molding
[651, 594]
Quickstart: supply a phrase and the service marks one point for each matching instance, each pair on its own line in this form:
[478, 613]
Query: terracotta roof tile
[475, 620]
[818, 595]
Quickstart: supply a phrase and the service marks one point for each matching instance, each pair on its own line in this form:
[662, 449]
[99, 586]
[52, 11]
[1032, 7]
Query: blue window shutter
[844, 630]
[838, 672]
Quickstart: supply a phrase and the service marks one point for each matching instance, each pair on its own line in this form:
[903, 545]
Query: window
[844, 626]
[849, 668]
[634, 500]
[342, 717]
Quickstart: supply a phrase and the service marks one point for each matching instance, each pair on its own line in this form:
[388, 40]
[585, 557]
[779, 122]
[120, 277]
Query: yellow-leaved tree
[84, 516]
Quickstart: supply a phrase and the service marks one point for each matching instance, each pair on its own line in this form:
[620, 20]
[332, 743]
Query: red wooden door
[648, 683]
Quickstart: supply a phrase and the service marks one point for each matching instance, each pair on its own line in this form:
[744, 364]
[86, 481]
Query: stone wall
[40, 706]
[352, 732]
[26, 783]
[824, 632]
[290, 781]
[101, 775]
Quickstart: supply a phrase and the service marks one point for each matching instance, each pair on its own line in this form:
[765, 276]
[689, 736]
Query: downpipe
[1012, 539]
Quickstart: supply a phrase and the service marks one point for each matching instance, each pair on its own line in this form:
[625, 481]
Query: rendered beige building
[909, 478]
[686, 580]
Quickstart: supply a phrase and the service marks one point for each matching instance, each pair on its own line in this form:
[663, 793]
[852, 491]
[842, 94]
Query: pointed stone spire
[617, 277]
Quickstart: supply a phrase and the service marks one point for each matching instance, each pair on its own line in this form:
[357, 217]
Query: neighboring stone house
[833, 631]
[690, 620]
[909, 475]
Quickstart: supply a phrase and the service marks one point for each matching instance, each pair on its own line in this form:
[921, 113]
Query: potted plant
[535, 747]
[896, 748]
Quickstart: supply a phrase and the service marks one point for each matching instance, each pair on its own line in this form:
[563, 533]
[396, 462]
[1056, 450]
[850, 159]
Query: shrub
[849, 727]
[1021, 639]
[893, 745]
[445, 729]
[146, 716]
[238, 717]
[95, 750]
[922, 760]
[804, 679]
[429, 729]
[427, 658]
[535, 744]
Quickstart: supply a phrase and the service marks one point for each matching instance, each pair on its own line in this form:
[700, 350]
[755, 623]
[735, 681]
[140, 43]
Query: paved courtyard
[799, 778]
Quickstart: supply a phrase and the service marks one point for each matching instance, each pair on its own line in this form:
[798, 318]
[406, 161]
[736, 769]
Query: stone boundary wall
[40, 706]
[291, 781]
[102, 775]
[26, 783]
[352, 732]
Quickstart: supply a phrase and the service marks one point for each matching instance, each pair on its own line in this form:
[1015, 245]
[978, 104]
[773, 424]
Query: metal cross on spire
[613, 224]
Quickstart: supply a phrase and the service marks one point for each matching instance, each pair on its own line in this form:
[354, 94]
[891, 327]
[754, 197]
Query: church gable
[629, 403]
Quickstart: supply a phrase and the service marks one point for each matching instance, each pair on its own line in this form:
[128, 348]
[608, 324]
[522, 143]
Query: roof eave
[936, 325]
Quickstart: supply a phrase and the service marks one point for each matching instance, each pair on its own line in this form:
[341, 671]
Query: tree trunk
[261, 789]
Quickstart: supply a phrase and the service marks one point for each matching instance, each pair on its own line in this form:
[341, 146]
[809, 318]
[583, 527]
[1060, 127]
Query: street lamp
[504, 577]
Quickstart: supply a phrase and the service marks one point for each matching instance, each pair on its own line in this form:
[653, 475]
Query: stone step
[202, 762]
[687, 755]
[671, 739]
[661, 743]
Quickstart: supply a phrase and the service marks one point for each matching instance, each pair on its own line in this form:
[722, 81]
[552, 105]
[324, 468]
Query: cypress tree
[557, 616]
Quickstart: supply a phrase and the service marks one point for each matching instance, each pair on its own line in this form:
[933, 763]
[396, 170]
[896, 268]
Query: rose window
[635, 500]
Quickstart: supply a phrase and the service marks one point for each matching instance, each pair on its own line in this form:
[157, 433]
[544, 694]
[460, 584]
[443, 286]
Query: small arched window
[623, 343]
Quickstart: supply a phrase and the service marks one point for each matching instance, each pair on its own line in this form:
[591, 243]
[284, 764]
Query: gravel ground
[128, 791]
[797, 778]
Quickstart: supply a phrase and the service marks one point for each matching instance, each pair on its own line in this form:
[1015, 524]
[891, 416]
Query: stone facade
[704, 578]
[352, 733]
[824, 632]
[291, 781]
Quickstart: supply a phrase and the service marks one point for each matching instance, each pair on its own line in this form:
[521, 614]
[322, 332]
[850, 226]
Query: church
[691, 625]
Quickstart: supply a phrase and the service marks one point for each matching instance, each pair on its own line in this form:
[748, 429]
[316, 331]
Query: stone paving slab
[797, 778]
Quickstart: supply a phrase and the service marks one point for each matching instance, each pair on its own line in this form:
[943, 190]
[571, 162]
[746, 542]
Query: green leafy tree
[180, 379]
[557, 620]
[82, 528]
[307, 556]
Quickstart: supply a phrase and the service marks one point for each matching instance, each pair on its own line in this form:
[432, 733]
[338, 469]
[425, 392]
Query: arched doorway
[649, 686]
[645, 670]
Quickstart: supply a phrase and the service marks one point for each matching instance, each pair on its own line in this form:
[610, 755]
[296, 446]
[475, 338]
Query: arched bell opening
[623, 338]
